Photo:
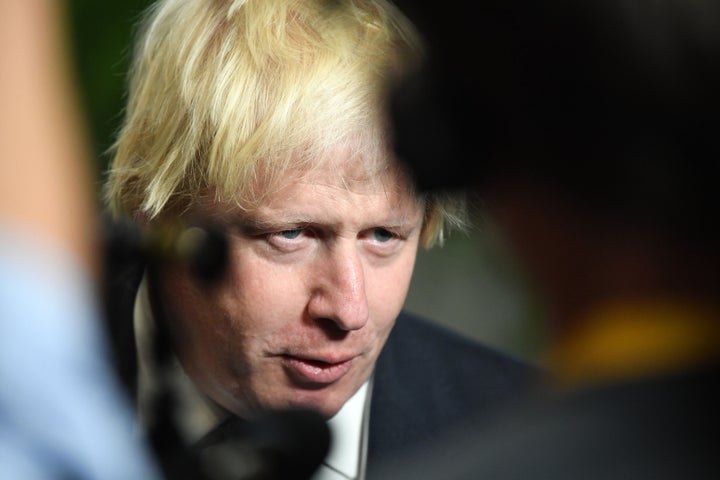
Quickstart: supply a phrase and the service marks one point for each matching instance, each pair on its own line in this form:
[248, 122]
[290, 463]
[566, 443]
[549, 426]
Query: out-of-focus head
[589, 129]
[226, 97]
[612, 102]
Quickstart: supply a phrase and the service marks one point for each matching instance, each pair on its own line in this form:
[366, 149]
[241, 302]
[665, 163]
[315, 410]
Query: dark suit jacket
[651, 428]
[428, 380]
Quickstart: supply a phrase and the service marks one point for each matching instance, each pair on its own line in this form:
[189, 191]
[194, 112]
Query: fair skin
[316, 278]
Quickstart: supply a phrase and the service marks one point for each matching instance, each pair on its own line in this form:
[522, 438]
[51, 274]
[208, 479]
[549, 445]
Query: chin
[321, 402]
[325, 409]
[328, 411]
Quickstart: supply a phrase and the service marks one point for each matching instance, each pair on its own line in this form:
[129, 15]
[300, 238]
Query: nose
[340, 295]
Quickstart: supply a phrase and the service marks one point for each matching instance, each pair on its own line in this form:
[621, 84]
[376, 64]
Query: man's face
[316, 277]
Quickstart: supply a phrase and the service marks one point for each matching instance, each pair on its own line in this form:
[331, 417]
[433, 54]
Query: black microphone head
[286, 444]
[122, 240]
[205, 249]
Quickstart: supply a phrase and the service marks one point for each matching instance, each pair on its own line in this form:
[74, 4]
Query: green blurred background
[101, 32]
[471, 284]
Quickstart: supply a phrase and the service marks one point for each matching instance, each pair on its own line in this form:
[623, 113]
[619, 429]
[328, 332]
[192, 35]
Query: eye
[382, 242]
[289, 240]
[291, 234]
[382, 235]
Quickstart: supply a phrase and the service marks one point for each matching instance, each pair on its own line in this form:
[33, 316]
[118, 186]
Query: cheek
[194, 310]
[261, 297]
[387, 287]
[184, 304]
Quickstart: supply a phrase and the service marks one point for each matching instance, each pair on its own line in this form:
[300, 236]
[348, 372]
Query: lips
[316, 372]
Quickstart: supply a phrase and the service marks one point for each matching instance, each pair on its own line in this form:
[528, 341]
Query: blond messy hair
[226, 96]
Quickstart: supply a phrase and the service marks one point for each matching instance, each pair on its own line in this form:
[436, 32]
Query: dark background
[101, 34]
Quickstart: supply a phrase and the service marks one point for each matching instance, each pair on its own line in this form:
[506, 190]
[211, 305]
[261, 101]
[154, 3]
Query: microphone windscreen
[286, 444]
[202, 248]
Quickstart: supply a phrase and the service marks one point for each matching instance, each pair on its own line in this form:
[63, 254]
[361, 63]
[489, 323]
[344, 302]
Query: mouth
[315, 372]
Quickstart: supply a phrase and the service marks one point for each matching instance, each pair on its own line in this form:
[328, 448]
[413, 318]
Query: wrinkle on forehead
[357, 167]
[344, 183]
[348, 166]
[324, 194]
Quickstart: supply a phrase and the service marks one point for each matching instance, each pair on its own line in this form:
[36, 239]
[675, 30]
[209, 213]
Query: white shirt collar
[347, 430]
[198, 414]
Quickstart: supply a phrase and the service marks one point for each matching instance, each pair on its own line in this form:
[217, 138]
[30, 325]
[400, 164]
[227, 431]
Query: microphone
[202, 247]
[278, 445]
[285, 444]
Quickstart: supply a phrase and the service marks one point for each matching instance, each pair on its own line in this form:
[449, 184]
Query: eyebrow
[255, 223]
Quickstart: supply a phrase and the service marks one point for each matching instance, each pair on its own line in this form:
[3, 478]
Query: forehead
[330, 186]
[340, 182]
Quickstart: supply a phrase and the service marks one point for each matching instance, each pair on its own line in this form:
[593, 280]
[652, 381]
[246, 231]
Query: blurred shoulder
[423, 338]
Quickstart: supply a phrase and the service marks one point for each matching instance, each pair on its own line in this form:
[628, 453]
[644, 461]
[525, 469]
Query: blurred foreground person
[590, 131]
[62, 413]
[266, 119]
